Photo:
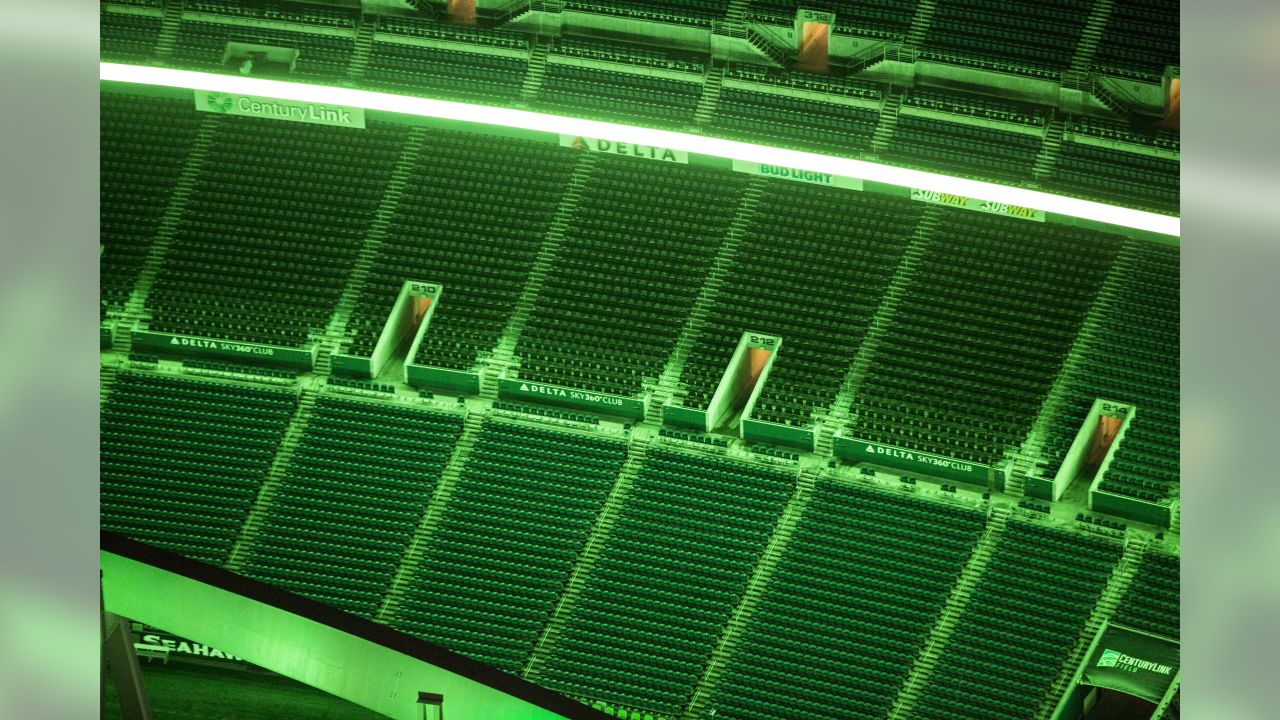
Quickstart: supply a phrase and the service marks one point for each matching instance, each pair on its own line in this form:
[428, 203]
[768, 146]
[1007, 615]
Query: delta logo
[543, 390]
[1127, 663]
[218, 102]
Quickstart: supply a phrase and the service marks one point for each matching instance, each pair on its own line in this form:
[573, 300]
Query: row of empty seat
[979, 106]
[145, 142]
[801, 123]
[1020, 624]
[182, 460]
[1133, 358]
[1152, 602]
[859, 586]
[304, 14]
[473, 214]
[272, 229]
[508, 539]
[983, 152]
[847, 86]
[853, 242]
[350, 501]
[998, 34]
[615, 95]
[675, 563]
[622, 53]
[631, 265]
[979, 335]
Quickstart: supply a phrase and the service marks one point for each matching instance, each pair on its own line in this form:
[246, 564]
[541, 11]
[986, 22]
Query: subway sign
[276, 109]
[968, 203]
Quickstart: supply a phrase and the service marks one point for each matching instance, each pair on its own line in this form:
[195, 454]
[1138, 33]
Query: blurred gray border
[48, 366]
[48, 359]
[1230, 317]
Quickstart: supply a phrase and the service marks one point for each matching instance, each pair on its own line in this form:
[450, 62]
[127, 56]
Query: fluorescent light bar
[730, 149]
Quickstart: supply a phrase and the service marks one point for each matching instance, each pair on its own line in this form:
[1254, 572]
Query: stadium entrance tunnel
[344, 655]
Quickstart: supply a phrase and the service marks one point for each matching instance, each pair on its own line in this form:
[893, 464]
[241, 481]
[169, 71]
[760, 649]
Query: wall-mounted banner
[968, 203]
[613, 147]
[152, 639]
[274, 109]
[786, 173]
[914, 460]
[1132, 662]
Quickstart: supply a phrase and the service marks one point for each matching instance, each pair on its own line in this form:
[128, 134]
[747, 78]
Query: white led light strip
[730, 149]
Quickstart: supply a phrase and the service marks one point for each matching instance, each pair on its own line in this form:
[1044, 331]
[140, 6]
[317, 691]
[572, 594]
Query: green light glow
[729, 149]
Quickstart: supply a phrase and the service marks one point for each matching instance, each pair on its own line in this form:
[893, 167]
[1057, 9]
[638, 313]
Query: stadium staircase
[1121, 578]
[501, 360]
[710, 96]
[751, 598]
[1092, 35]
[262, 504]
[431, 518]
[169, 29]
[839, 413]
[363, 48]
[1048, 155]
[920, 24]
[668, 386]
[135, 309]
[537, 69]
[1113, 101]
[736, 11]
[1028, 456]
[637, 450]
[888, 122]
[946, 625]
[336, 335]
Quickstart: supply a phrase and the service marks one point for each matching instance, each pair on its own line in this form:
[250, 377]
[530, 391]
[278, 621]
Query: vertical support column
[117, 649]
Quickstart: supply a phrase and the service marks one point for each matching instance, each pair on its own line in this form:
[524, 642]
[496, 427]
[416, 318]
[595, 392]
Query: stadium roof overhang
[688, 142]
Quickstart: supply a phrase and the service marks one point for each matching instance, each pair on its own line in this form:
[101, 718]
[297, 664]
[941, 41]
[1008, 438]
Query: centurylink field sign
[276, 109]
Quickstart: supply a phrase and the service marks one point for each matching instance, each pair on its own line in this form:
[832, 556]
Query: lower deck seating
[1133, 359]
[272, 229]
[604, 94]
[849, 244]
[351, 499]
[472, 216]
[145, 142]
[690, 532]
[1152, 603]
[630, 268]
[847, 610]
[508, 539]
[1019, 626]
[784, 121]
[446, 73]
[182, 460]
[940, 145]
[1128, 178]
[979, 335]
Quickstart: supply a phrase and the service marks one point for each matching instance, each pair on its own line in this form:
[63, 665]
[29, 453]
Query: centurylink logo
[1127, 663]
[219, 102]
